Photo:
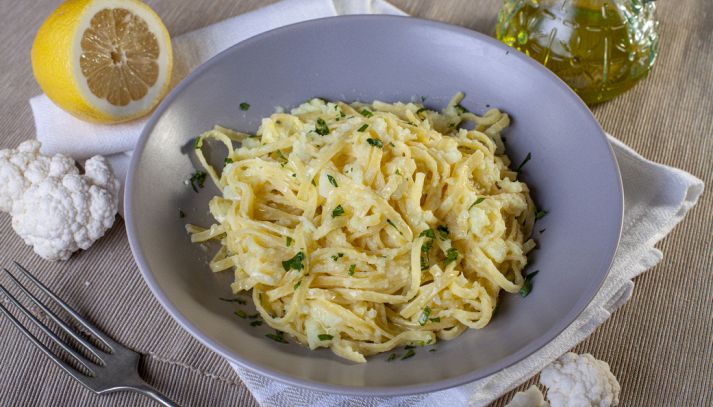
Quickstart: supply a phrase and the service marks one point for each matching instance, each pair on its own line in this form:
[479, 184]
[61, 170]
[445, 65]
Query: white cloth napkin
[656, 198]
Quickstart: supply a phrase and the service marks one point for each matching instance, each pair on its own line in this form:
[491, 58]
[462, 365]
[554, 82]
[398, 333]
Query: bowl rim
[451, 382]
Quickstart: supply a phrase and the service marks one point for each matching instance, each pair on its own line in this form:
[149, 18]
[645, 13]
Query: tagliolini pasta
[363, 227]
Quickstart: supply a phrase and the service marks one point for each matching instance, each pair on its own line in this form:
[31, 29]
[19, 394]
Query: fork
[118, 368]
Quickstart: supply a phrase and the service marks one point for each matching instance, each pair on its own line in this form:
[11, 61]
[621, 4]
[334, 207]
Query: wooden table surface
[659, 343]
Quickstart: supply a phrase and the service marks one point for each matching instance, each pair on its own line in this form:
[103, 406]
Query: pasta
[364, 227]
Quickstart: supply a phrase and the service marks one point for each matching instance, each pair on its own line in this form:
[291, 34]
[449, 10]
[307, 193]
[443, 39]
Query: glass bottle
[600, 48]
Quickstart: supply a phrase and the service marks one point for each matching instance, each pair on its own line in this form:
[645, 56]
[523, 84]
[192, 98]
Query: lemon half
[103, 60]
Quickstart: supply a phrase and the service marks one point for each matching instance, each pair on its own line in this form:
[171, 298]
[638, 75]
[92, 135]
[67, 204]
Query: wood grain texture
[658, 344]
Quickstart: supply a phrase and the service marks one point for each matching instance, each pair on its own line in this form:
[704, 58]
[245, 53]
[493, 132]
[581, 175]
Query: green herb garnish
[460, 109]
[256, 323]
[181, 214]
[527, 285]
[407, 347]
[281, 155]
[332, 181]
[352, 269]
[426, 247]
[409, 353]
[227, 161]
[314, 182]
[244, 106]
[338, 211]
[288, 241]
[198, 180]
[363, 128]
[540, 214]
[424, 316]
[428, 233]
[522, 164]
[436, 319]
[423, 109]
[366, 113]
[297, 285]
[337, 256]
[238, 300]
[341, 114]
[325, 337]
[392, 357]
[432, 350]
[477, 201]
[398, 172]
[542, 231]
[295, 263]
[321, 127]
[451, 256]
[394, 226]
[442, 232]
[278, 336]
[375, 142]
[198, 143]
[241, 314]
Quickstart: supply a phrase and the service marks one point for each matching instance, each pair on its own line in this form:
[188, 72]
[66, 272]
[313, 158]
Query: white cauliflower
[580, 381]
[532, 397]
[55, 209]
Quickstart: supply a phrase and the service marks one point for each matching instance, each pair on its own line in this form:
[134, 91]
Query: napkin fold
[656, 198]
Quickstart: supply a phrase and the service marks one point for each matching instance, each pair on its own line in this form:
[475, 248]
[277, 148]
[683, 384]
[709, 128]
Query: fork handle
[147, 390]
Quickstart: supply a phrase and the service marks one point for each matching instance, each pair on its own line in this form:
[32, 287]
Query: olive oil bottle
[600, 48]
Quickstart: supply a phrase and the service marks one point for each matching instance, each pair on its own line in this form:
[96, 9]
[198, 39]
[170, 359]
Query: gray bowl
[573, 174]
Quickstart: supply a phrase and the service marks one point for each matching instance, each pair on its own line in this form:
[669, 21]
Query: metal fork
[118, 368]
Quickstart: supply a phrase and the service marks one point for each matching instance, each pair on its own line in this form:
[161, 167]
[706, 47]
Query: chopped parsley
[181, 214]
[198, 143]
[332, 181]
[436, 319]
[325, 337]
[424, 316]
[297, 285]
[321, 127]
[352, 269]
[477, 201]
[527, 285]
[540, 214]
[281, 155]
[394, 226]
[238, 300]
[522, 164]
[227, 161]
[295, 263]
[426, 247]
[392, 357]
[423, 98]
[442, 232]
[423, 109]
[451, 256]
[460, 109]
[366, 113]
[363, 128]
[256, 323]
[407, 347]
[341, 114]
[288, 241]
[278, 336]
[198, 180]
[244, 106]
[375, 142]
[337, 256]
[432, 350]
[338, 211]
[241, 314]
[409, 353]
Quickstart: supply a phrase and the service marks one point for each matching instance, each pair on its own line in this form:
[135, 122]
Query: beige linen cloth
[657, 197]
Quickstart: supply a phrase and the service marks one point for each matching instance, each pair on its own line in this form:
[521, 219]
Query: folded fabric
[656, 199]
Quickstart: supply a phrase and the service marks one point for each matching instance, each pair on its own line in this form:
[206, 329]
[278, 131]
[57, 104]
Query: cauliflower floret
[580, 381]
[24, 166]
[54, 209]
[532, 397]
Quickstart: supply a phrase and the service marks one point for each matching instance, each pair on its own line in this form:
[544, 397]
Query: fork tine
[97, 333]
[81, 359]
[67, 368]
[66, 328]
